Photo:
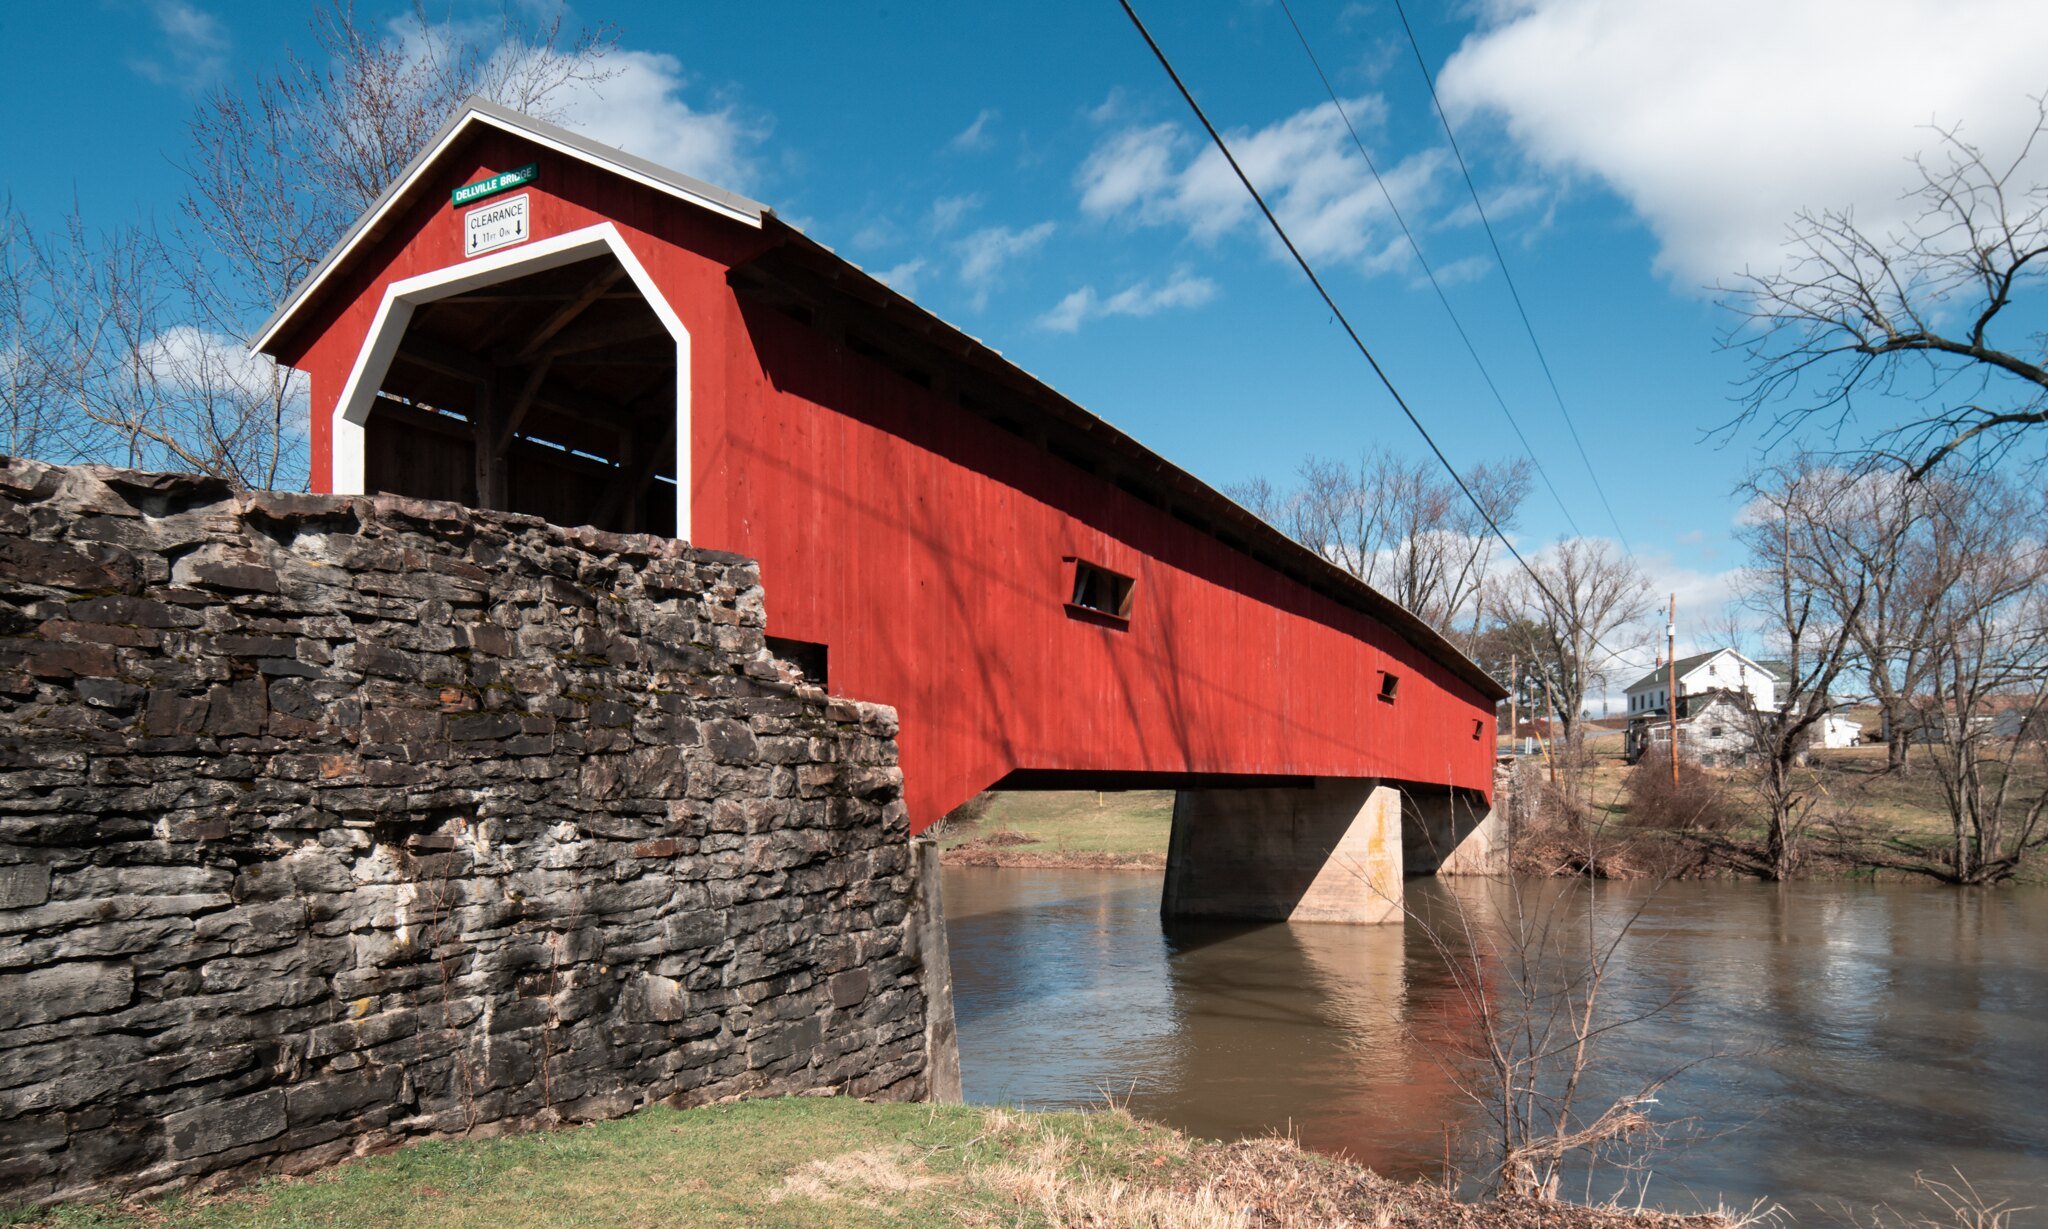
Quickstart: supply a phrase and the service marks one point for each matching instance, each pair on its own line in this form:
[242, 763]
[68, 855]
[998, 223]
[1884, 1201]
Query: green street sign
[503, 181]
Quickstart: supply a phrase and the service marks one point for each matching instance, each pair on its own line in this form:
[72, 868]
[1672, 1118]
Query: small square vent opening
[1102, 591]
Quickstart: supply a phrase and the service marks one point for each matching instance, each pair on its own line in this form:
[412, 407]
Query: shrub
[1697, 802]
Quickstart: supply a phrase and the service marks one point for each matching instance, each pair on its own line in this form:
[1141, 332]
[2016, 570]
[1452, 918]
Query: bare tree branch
[1856, 318]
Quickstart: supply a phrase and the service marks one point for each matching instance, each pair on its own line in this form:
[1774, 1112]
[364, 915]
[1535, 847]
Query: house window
[1390, 685]
[1101, 591]
[1478, 728]
[1715, 731]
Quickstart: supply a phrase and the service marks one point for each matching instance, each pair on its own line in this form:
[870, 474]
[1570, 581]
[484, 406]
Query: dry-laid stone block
[23, 884]
[328, 821]
[55, 991]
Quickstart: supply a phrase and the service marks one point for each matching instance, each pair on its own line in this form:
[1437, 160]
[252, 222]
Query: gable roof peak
[478, 111]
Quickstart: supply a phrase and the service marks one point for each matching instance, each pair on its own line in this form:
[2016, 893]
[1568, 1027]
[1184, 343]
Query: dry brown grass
[1276, 1185]
[1172, 1182]
[1963, 1208]
[869, 1177]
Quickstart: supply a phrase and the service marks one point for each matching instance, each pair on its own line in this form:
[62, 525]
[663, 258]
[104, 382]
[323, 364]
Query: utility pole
[1550, 736]
[1514, 685]
[1671, 652]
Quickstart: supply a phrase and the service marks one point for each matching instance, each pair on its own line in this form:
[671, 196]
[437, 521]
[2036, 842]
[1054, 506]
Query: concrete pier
[1329, 852]
[1451, 832]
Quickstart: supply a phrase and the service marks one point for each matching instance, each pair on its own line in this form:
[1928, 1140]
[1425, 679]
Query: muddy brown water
[1865, 1032]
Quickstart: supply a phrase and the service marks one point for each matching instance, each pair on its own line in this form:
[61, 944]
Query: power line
[1508, 277]
[1308, 270]
[1429, 272]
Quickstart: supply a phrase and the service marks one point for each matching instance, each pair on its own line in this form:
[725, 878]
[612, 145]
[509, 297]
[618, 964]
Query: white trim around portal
[387, 330]
[518, 125]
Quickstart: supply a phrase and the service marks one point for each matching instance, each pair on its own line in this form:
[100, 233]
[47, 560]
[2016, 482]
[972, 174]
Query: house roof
[800, 254]
[1778, 670]
[1684, 666]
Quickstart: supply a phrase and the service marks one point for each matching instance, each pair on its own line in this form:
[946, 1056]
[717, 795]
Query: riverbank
[1063, 830]
[853, 1165]
[1867, 823]
[1859, 820]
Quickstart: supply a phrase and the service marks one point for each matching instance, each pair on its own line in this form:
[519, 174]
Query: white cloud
[1468, 269]
[976, 135]
[879, 233]
[1129, 168]
[903, 278]
[1305, 165]
[639, 109]
[1716, 122]
[194, 361]
[192, 46]
[948, 210]
[984, 253]
[1113, 107]
[1183, 289]
[1504, 202]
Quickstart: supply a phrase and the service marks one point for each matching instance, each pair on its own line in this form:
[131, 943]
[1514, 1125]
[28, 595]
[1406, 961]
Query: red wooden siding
[931, 550]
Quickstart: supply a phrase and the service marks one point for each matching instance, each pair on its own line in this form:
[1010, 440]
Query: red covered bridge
[532, 321]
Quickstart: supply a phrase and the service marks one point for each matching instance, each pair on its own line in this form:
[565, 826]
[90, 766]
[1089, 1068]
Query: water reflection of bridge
[1344, 1035]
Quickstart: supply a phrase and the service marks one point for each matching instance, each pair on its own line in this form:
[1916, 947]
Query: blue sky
[1026, 172]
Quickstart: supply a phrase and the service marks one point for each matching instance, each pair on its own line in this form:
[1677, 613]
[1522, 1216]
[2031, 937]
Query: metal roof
[1686, 665]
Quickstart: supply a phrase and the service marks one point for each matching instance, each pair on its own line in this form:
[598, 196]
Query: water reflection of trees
[1882, 1030]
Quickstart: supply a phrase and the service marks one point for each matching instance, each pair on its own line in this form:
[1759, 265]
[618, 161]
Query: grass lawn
[1070, 822]
[804, 1161]
[801, 1161]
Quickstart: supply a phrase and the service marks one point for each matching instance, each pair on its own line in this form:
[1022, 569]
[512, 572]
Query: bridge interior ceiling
[551, 394]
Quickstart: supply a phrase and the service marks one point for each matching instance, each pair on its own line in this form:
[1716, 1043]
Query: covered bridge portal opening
[551, 392]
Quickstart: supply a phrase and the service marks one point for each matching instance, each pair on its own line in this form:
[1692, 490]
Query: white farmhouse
[1720, 670]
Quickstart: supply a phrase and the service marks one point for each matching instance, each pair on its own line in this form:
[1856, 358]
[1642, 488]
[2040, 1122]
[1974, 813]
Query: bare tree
[131, 346]
[280, 169]
[1570, 617]
[1924, 313]
[1871, 540]
[1401, 527]
[127, 376]
[30, 422]
[1988, 675]
[1809, 627]
[1532, 961]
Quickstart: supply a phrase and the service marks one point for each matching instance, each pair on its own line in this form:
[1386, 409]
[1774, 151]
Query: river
[1851, 1034]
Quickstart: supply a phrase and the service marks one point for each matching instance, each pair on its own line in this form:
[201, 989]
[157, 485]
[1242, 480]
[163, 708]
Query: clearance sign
[500, 223]
[496, 225]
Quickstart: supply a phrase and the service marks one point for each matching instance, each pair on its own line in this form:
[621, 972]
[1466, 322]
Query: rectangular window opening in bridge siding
[1102, 591]
[1390, 685]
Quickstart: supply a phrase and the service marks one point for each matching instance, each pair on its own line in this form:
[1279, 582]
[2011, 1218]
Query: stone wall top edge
[113, 490]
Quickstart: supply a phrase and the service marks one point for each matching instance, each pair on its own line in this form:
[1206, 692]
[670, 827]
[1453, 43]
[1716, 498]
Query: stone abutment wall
[326, 822]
